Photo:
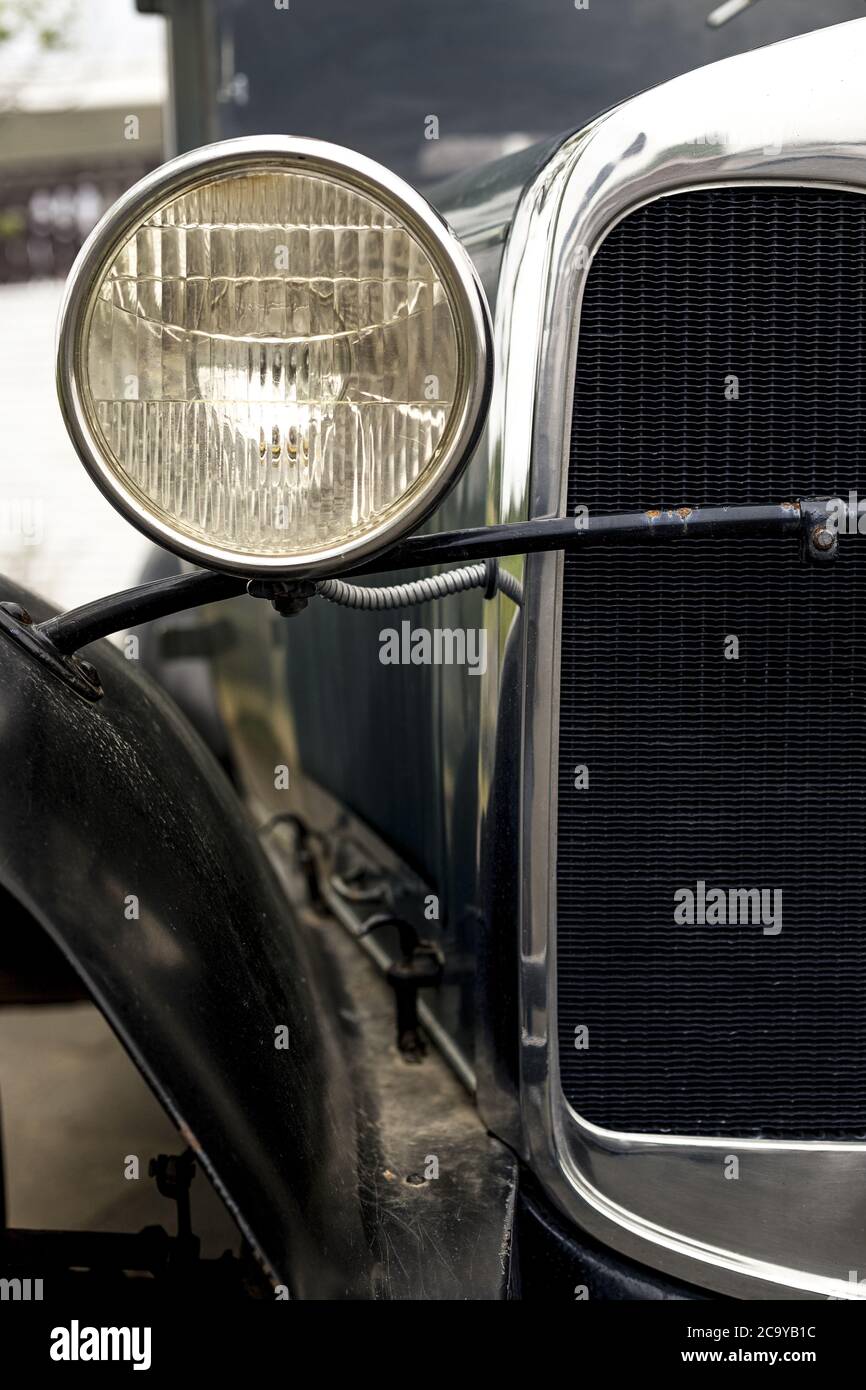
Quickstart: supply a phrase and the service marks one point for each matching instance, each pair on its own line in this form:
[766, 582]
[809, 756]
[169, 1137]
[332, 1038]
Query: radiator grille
[741, 773]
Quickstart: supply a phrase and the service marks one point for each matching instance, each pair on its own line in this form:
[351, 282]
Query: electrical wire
[487, 576]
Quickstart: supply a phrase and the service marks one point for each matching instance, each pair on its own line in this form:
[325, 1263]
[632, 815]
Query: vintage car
[465, 841]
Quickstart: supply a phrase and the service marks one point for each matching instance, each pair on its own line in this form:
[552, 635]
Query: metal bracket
[419, 967]
[287, 596]
[79, 675]
[820, 536]
[173, 1174]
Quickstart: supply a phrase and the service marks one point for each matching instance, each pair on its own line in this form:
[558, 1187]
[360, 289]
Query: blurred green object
[46, 25]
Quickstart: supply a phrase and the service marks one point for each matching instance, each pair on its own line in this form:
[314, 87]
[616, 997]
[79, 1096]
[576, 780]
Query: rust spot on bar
[684, 512]
[790, 506]
[653, 513]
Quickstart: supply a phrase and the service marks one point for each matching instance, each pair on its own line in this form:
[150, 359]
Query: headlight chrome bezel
[448, 257]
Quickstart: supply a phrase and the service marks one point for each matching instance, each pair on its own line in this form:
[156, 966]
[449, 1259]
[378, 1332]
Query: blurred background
[70, 76]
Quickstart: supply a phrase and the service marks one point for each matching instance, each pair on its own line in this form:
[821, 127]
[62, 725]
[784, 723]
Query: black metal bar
[570, 533]
[71, 631]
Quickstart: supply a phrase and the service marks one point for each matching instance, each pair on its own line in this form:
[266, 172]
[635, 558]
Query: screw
[415, 1180]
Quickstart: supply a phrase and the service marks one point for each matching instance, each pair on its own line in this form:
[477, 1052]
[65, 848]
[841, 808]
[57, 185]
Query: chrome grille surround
[790, 114]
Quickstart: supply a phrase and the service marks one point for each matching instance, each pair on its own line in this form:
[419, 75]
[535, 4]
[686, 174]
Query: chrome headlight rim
[449, 258]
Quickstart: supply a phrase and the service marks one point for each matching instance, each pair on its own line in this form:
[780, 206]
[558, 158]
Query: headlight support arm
[813, 520]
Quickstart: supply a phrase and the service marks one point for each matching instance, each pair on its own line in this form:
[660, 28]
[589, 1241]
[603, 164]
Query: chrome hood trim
[793, 1224]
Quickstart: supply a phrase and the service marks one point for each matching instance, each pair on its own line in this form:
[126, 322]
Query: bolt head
[822, 539]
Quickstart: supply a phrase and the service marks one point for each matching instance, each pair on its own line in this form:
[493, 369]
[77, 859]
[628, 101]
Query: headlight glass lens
[269, 363]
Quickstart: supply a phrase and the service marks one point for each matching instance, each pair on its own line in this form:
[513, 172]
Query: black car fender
[122, 836]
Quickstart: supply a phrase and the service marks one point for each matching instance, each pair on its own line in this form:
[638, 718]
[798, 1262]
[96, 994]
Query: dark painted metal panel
[369, 76]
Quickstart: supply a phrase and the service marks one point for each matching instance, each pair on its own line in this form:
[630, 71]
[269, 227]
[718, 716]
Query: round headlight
[274, 356]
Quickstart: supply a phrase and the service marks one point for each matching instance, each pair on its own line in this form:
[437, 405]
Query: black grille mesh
[746, 773]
